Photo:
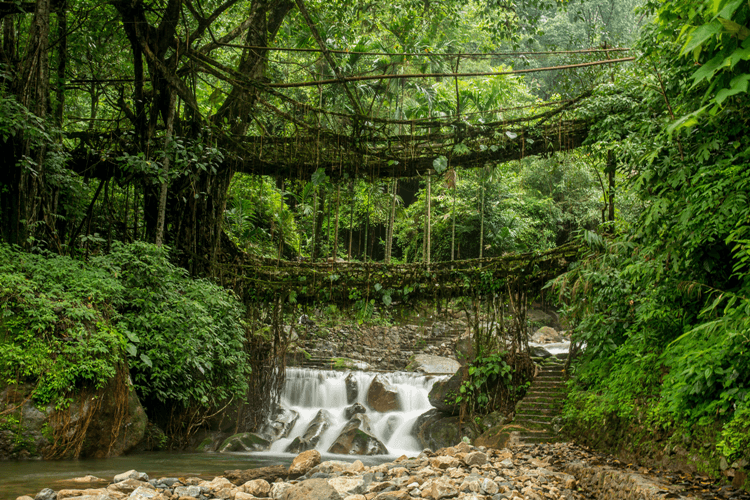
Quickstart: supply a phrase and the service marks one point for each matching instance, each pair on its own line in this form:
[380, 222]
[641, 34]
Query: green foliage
[486, 373]
[67, 324]
[56, 325]
[188, 333]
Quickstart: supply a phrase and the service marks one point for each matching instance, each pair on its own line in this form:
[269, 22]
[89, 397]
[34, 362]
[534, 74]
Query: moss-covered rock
[245, 441]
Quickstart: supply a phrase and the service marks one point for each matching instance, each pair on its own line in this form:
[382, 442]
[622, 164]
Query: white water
[307, 391]
[558, 348]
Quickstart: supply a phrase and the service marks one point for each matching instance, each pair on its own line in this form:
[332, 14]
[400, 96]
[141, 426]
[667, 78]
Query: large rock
[464, 349]
[116, 427]
[106, 423]
[270, 474]
[312, 489]
[381, 396]
[352, 388]
[356, 439]
[314, 431]
[539, 352]
[303, 462]
[435, 430]
[433, 365]
[245, 441]
[443, 394]
[352, 410]
[279, 425]
[540, 317]
[546, 335]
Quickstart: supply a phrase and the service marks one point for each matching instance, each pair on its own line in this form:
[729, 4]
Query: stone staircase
[543, 402]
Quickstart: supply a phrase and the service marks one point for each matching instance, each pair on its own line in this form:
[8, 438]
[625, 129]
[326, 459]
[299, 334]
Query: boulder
[314, 431]
[464, 349]
[539, 352]
[303, 462]
[356, 439]
[382, 397]
[433, 365]
[46, 494]
[279, 425]
[245, 441]
[434, 430]
[119, 415]
[107, 422]
[546, 335]
[540, 317]
[352, 388]
[270, 474]
[352, 410]
[443, 394]
[312, 489]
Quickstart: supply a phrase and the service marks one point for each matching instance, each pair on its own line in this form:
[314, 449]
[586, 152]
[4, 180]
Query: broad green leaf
[700, 35]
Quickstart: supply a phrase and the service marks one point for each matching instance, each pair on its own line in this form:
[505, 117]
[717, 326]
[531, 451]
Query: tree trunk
[611, 168]
[62, 60]
[429, 216]
[351, 219]
[481, 224]
[336, 231]
[165, 172]
[319, 214]
[391, 220]
[453, 221]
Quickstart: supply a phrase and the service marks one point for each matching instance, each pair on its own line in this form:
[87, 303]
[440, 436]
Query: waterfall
[307, 391]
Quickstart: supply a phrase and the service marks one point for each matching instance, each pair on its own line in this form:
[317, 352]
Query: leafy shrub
[187, 335]
[55, 328]
[66, 323]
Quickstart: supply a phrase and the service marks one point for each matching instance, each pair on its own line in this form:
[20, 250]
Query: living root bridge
[261, 280]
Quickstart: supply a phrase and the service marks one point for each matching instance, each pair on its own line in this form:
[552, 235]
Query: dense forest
[145, 145]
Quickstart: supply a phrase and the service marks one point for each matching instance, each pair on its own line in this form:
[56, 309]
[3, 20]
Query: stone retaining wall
[605, 483]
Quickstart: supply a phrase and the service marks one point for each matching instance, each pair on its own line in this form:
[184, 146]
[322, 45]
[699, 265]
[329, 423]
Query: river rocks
[303, 462]
[433, 365]
[311, 489]
[382, 397]
[270, 474]
[356, 439]
[352, 410]
[352, 389]
[257, 488]
[443, 394]
[462, 472]
[126, 486]
[131, 474]
[314, 431]
[88, 480]
[245, 441]
[46, 494]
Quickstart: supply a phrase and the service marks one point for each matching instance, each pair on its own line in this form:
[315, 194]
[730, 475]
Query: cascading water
[308, 391]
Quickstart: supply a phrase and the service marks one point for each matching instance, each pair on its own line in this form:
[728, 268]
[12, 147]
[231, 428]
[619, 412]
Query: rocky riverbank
[539, 472]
